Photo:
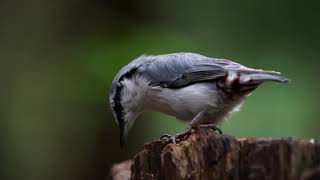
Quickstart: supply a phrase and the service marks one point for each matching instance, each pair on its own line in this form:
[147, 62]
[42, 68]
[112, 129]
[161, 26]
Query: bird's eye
[112, 104]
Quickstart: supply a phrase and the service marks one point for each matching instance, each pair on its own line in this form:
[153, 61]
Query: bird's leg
[211, 126]
[196, 123]
[196, 120]
[185, 133]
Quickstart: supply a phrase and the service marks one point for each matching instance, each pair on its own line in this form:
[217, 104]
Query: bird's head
[125, 104]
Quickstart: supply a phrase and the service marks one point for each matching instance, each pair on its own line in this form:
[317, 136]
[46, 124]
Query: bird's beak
[123, 135]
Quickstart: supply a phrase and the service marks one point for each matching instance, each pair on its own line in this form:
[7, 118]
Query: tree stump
[208, 155]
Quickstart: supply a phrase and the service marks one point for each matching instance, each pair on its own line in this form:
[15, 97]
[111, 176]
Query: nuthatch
[188, 86]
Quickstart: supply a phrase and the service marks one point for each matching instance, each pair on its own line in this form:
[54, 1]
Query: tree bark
[208, 155]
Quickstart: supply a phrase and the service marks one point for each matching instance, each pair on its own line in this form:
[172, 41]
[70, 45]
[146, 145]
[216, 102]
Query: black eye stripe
[117, 106]
[118, 109]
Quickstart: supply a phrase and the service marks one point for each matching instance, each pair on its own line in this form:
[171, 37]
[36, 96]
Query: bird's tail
[260, 76]
[245, 81]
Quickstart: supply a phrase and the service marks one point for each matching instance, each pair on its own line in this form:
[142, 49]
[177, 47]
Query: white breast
[185, 103]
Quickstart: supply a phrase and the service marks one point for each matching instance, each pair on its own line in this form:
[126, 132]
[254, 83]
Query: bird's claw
[181, 136]
[211, 126]
[178, 137]
[165, 137]
[169, 138]
[215, 128]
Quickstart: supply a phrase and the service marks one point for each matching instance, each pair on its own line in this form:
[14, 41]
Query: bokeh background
[58, 59]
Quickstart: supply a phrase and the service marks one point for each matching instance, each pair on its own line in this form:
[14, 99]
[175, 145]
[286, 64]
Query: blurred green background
[58, 59]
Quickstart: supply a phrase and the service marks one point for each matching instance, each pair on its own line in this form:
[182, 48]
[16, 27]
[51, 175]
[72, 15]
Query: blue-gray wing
[181, 69]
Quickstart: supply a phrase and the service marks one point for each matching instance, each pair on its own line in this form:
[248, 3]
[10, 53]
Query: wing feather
[181, 69]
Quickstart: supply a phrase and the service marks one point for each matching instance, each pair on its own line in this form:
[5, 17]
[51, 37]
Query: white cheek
[130, 122]
[133, 95]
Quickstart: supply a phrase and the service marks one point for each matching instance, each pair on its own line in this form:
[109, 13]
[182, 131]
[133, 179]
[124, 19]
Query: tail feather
[262, 76]
[248, 80]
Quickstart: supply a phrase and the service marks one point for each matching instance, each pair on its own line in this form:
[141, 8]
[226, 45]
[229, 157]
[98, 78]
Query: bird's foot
[212, 127]
[178, 137]
[183, 135]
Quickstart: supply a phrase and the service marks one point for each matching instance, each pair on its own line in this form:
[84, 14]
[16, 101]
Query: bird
[190, 87]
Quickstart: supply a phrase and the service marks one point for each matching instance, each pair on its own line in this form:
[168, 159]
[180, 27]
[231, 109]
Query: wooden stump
[208, 155]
